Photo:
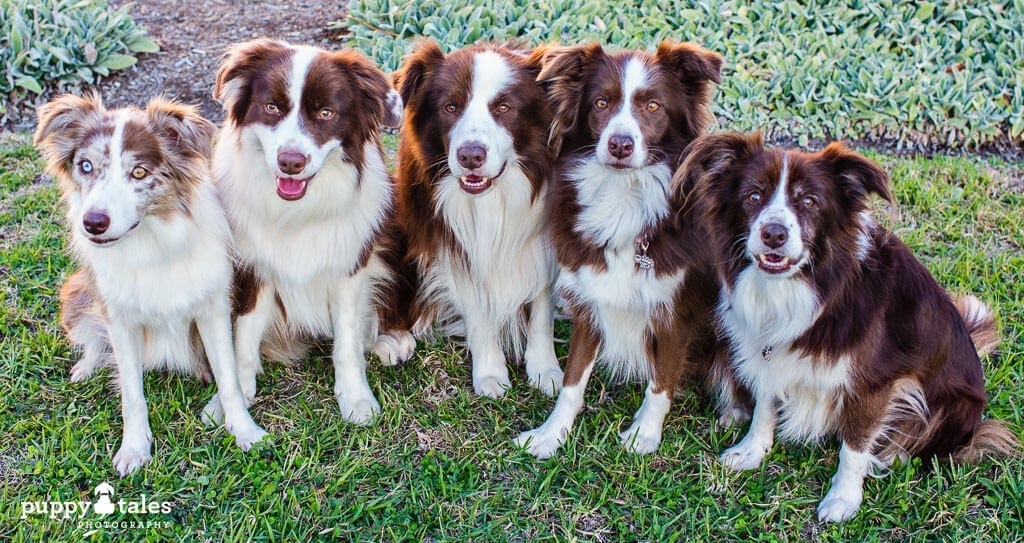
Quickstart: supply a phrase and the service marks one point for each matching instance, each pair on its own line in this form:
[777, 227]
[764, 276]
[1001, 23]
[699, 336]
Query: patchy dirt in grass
[193, 36]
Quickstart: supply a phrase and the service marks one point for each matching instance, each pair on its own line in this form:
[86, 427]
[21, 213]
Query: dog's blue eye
[85, 166]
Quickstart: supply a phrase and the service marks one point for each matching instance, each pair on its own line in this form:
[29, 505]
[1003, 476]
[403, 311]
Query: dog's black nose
[291, 162]
[471, 155]
[620, 146]
[96, 222]
[774, 235]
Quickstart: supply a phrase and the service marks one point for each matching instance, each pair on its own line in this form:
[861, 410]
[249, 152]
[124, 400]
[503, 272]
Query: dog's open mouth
[774, 263]
[476, 184]
[290, 188]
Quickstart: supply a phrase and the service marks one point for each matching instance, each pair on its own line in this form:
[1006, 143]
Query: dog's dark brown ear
[857, 175]
[707, 158]
[377, 96]
[563, 76]
[418, 65]
[698, 70]
[60, 127]
[181, 127]
[241, 63]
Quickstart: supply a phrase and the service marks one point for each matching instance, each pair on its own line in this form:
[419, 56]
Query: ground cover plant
[911, 75]
[439, 464]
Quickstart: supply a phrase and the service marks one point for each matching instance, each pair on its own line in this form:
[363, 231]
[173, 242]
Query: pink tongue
[291, 187]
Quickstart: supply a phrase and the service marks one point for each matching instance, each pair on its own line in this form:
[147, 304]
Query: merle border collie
[835, 327]
[632, 273]
[473, 172]
[300, 167]
[152, 243]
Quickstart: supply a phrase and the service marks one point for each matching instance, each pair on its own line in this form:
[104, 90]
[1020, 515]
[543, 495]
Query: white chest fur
[763, 316]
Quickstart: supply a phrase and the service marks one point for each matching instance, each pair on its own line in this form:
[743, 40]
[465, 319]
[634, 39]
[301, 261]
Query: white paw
[492, 387]
[637, 441]
[743, 456]
[548, 381]
[839, 506]
[83, 369]
[213, 413]
[394, 347]
[731, 417]
[130, 457]
[248, 435]
[540, 443]
[358, 409]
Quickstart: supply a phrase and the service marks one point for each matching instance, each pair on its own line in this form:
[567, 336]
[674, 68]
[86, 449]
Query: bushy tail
[991, 438]
[980, 323]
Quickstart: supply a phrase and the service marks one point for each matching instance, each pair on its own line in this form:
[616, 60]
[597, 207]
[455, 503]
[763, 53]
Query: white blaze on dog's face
[304, 106]
[622, 142]
[117, 168]
[775, 241]
[480, 147]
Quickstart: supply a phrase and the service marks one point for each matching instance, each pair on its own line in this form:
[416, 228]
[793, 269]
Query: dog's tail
[980, 323]
[991, 438]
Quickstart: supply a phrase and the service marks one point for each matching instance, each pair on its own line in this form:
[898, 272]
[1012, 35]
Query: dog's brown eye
[601, 103]
[809, 201]
[450, 107]
[504, 108]
[754, 197]
[326, 114]
[139, 172]
[85, 167]
[653, 106]
[272, 109]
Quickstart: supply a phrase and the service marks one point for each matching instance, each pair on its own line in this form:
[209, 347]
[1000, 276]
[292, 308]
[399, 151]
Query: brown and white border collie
[152, 243]
[473, 172]
[299, 164]
[836, 328]
[632, 273]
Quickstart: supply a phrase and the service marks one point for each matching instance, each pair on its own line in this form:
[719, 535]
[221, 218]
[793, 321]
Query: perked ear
[240, 64]
[858, 176]
[694, 65]
[708, 157]
[181, 127]
[60, 127]
[563, 77]
[417, 66]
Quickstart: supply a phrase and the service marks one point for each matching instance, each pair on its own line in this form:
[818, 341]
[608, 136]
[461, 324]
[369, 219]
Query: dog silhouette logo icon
[103, 505]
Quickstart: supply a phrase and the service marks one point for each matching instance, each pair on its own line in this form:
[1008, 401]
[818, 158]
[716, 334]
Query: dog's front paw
[130, 457]
[636, 440]
[394, 347]
[540, 442]
[491, 386]
[548, 381]
[730, 417]
[839, 505]
[743, 456]
[247, 434]
[358, 409]
[213, 413]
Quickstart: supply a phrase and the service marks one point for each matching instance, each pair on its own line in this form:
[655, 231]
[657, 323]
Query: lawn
[440, 464]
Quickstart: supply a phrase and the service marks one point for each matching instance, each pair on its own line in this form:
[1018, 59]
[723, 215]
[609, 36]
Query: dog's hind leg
[84, 322]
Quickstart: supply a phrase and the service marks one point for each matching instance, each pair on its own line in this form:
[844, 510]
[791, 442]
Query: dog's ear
[707, 158]
[60, 128]
[240, 64]
[423, 59]
[697, 70]
[858, 177]
[181, 127]
[563, 77]
[536, 57]
[376, 94]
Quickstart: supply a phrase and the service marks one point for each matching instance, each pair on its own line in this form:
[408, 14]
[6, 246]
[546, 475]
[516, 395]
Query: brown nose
[291, 162]
[471, 155]
[620, 146]
[96, 222]
[774, 235]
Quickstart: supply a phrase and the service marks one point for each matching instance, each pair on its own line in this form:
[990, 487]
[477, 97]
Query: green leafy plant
[57, 43]
[916, 75]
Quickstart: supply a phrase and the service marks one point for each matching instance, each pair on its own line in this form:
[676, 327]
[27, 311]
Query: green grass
[439, 464]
